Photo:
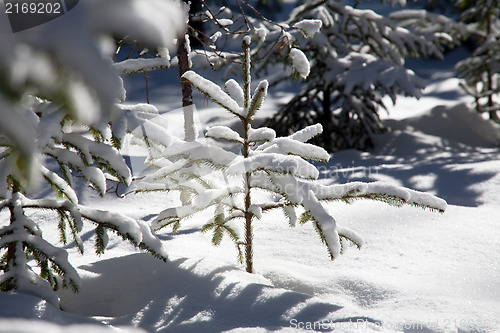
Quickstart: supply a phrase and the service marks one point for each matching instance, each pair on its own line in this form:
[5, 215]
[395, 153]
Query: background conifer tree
[358, 58]
[480, 72]
[476, 26]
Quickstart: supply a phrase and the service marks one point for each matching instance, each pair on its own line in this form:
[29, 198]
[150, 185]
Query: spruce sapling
[278, 165]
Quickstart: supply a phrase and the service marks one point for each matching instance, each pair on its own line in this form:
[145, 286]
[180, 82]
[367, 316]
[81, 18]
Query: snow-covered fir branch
[59, 93]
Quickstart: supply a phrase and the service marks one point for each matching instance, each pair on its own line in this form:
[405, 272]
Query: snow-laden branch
[214, 92]
[137, 232]
[144, 65]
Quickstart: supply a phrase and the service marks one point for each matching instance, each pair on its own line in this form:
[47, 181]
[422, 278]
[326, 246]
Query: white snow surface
[418, 271]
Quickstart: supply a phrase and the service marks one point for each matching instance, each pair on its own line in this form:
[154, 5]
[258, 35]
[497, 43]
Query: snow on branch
[235, 91]
[195, 151]
[257, 98]
[288, 146]
[300, 63]
[309, 27]
[61, 187]
[262, 134]
[136, 231]
[106, 156]
[213, 196]
[274, 162]
[224, 133]
[214, 92]
[438, 26]
[134, 66]
[307, 133]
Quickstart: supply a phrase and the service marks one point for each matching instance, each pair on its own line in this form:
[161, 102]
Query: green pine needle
[305, 217]
[256, 103]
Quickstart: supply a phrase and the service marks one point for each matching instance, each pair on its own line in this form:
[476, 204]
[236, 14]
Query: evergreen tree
[480, 72]
[357, 59]
[211, 30]
[477, 26]
[277, 165]
[60, 122]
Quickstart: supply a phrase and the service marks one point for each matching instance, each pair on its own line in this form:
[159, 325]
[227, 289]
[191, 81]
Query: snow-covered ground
[417, 272]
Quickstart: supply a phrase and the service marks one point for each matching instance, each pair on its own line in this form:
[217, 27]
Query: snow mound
[452, 123]
[192, 295]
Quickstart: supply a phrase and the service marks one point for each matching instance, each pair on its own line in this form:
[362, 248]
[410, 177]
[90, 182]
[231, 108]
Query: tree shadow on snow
[434, 153]
[186, 296]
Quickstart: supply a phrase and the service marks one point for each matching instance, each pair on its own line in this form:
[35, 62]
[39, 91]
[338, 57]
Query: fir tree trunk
[187, 91]
[147, 86]
[248, 203]
[246, 150]
[248, 227]
[11, 249]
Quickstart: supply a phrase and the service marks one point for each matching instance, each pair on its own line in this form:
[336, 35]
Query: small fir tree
[278, 165]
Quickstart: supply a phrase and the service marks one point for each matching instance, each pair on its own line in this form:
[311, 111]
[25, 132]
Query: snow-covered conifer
[60, 124]
[480, 72]
[357, 58]
[479, 22]
[277, 165]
